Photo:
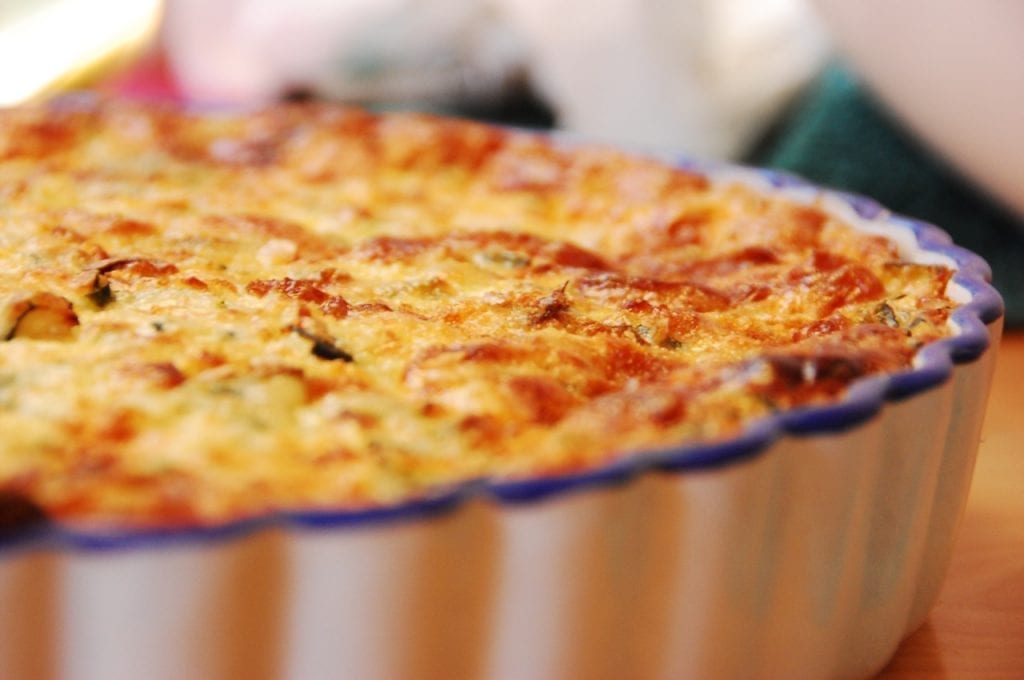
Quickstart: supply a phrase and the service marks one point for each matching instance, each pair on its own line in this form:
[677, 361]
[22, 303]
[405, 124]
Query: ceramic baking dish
[806, 547]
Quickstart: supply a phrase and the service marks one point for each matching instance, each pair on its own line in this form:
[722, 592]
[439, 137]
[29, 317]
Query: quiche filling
[205, 317]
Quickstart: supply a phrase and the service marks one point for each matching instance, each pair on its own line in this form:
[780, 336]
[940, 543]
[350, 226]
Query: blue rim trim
[863, 401]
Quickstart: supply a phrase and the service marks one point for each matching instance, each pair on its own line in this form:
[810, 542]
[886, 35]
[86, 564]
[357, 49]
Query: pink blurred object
[150, 78]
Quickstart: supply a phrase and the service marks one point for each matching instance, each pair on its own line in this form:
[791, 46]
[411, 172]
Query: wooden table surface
[976, 631]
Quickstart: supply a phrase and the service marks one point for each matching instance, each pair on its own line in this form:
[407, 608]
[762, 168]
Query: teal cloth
[838, 135]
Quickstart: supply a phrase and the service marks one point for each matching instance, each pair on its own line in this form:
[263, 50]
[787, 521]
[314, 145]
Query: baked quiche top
[210, 316]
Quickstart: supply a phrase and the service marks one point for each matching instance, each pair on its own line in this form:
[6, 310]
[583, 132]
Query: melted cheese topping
[208, 317]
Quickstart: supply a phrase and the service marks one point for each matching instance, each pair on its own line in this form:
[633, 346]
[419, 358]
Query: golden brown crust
[208, 317]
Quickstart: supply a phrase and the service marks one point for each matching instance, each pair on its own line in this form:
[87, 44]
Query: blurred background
[705, 77]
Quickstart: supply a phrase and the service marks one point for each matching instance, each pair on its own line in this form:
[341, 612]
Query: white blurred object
[50, 45]
[700, 76]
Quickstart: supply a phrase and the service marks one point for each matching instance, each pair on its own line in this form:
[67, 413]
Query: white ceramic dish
[808, 547]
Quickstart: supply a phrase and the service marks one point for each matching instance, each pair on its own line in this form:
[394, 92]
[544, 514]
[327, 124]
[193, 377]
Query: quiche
[207, 316]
